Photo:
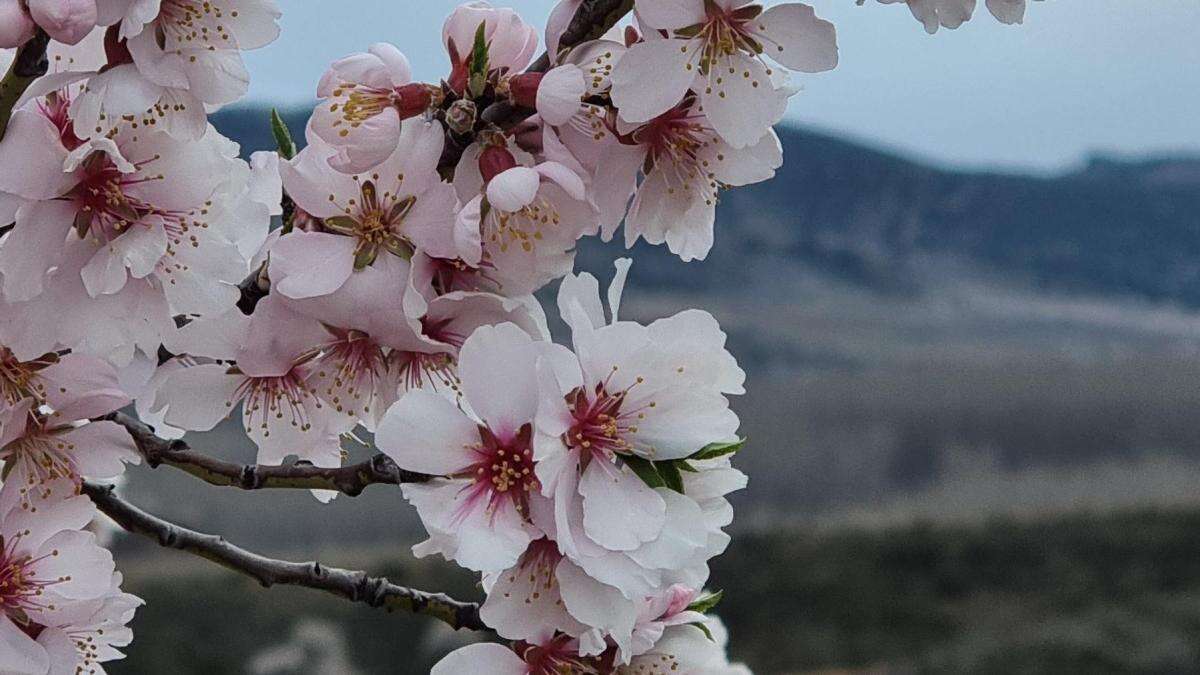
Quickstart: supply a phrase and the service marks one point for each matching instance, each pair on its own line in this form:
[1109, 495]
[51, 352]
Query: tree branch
[355, 586]
[30, 63]
[349, 480]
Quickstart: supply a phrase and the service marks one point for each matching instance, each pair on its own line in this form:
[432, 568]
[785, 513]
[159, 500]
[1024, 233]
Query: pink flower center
[42, 455]
[602, 422]
[56, 107]
[675, 142]
[284, 398]
[20, 590]
[418, 370]
[20, 380]
[375, 220]
[352, 364]
[538, 562]
[502, 471]
[106, 210]
[558, 656]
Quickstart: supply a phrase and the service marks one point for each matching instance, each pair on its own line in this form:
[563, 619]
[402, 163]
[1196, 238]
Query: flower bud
[413, 99]
[460, 117]
[523, 88]
[495, 160]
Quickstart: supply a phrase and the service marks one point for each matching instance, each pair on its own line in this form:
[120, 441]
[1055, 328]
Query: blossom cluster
[585, 483]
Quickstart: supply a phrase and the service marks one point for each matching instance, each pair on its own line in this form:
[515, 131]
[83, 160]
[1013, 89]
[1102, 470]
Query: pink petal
[513, 189]
[796, 38]
[652, 78]
[425, 432]
[67, 21]
[309, 264]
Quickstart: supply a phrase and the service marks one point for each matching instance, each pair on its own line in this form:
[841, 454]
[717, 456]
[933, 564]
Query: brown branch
[29, 64]
[349, 480]
[355, 586]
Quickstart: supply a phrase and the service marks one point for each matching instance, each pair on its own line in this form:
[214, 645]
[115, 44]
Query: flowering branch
[349, 480]
[29, 64]
[353, 585]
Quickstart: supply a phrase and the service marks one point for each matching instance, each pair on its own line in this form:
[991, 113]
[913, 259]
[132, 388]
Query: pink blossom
[265, 363]
[718, 50]
[479, 514]
[57, 586]
[652, 392]
[938, 13]
[365, 98]
[194, 47]
[521, 224]
[685, 163]
[45, 434]
[394, 207]
[550, 657]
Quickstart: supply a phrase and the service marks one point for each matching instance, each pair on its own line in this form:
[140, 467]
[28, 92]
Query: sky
[1080, 76]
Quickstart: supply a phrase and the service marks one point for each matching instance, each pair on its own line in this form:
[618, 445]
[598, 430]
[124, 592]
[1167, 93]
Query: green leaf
[714, 450]
[479, 62]
[283, 137]
[706, 602]
[670, 475]
[707, 633]
[645, 469]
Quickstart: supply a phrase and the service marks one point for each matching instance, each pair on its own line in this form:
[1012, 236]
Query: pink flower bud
[413, 99]
[494, 161]
[15, 25]
[523, 89]
[67, 21]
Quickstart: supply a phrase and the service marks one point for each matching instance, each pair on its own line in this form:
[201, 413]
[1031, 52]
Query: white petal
[497, 367]
[796, 38]
[652, 78]
[514, 189]
[743, 105]
[309, 264]
[620, 512]
[670, 14]
[483, 658]
[199, 397]
[426, 433]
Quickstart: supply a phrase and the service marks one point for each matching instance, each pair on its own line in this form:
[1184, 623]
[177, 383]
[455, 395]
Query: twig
[355, 586]
[30, 63]
[349, 480]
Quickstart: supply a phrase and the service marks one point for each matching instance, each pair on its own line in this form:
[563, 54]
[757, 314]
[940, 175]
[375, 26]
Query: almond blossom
[394, 207]
[520, 223]
[685, 164]
[365, 98]
[264, 362]
[717, 49]
[479, 514]
[193, 46]
[636, 395]
[46, 436]
[56, 585]
[144, 200]
[951, 14]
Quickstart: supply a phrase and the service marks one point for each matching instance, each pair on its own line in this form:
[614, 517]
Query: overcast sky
[1080, 75]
